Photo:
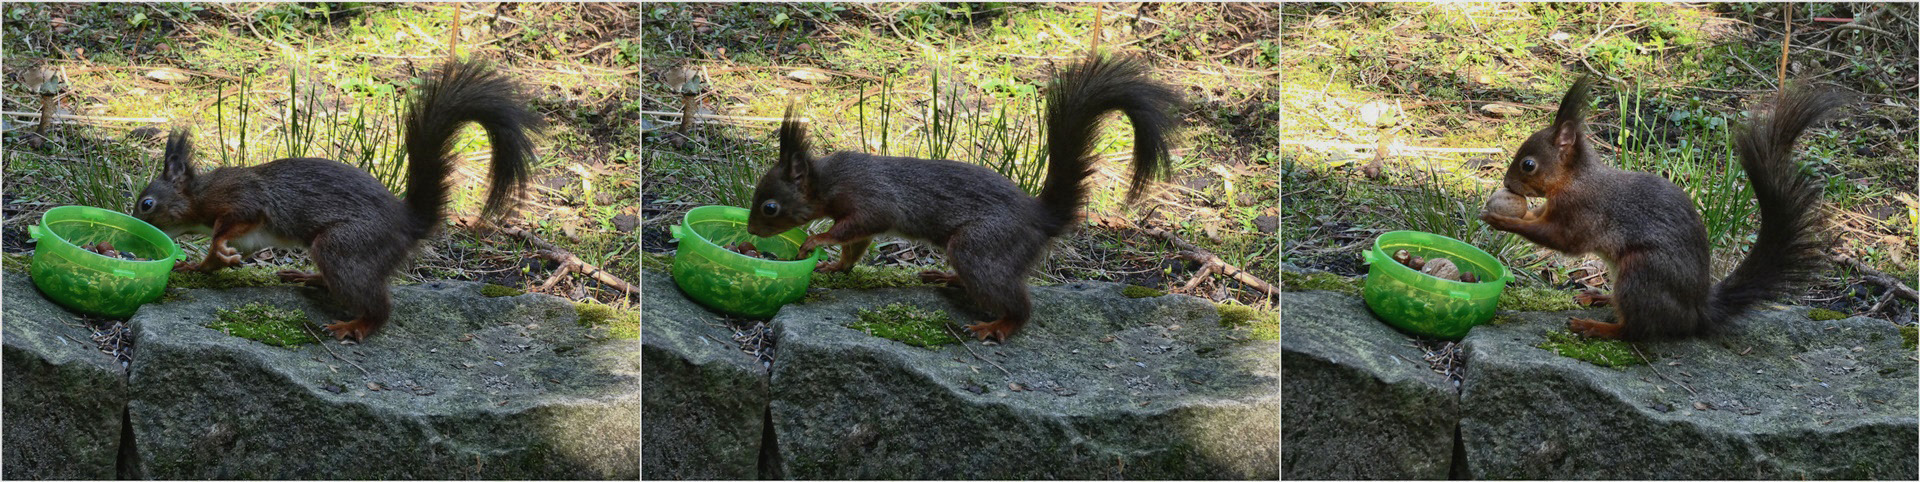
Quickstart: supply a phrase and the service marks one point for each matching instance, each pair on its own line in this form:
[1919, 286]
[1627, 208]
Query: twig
[1863, 28]
[963, 344]
[156, 120]
[1656, 371]
[1883, 302]
[1211, 264]
[1877, 277]
[323, 344]
[721, 117]
[1394, 147]
[1785, 41]
[568, 262]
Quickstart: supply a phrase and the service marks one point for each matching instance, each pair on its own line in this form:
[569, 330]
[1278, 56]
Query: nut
[1506, 203]
[1442, 268]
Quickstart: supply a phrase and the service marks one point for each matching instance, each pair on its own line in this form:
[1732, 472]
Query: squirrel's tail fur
[1078, 98]
[457, 93]
[1792, 241]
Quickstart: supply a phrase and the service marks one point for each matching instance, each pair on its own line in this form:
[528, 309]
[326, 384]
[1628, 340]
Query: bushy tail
[1078, 98]
[458, 93]
[1792, 242]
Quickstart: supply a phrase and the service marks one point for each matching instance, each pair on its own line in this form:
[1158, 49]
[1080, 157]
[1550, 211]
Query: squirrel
[992, 231]
[357, 232]
[1649, 231]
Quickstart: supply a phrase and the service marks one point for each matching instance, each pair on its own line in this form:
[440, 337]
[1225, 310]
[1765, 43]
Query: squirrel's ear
[1569, 124]
[178, 164]
[796, 163]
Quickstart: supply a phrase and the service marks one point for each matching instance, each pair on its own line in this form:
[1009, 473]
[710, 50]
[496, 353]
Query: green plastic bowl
[89, 282]
[732, 282]
[1421, 304]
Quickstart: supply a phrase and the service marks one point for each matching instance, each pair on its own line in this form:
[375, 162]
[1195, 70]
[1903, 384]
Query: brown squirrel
[356, 231]
[1648, 230]
[992, 231]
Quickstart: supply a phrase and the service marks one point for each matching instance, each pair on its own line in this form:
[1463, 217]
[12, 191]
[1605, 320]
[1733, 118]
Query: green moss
[656, 262]
[907, 324]
[1823, 314]
[1606, 353]
[863, 277]
[621, 324]
[1133, 291]
[18, 262]
[1263, 325]
[491, 290]
[266, 324]
[1528, 298]
[1908, 334]
[1322, 281]
[244, 276]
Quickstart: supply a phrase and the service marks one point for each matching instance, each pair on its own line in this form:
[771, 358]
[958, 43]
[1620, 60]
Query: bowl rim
[736, 213]
[172, 248]
[1506, 273]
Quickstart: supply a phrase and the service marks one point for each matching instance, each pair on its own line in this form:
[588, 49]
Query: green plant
[1433, 206]
[100, 183]
[1702, 163]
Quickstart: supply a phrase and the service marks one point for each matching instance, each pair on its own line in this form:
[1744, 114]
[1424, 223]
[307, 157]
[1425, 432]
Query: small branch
[1392, 148]
[156, 120]
[323, 344]
[1891, 283]
[1211, 264]
[963, 344]
[720, 117]
[568, 262]
[1656, 371]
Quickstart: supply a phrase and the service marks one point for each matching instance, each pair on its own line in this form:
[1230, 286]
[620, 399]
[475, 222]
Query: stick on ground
[568, 262]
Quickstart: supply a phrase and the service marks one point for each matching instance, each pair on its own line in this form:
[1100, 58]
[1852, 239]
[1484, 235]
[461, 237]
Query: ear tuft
[794, 158]
[178, 162]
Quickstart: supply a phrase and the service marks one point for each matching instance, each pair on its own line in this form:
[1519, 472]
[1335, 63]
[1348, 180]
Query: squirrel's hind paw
[1594, 328]
[296, 276]
[941, 277]
[357, 329]
[997, 330]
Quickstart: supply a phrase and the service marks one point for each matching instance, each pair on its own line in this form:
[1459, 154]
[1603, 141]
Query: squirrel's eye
[146, 205]
[771, 208]
[1527, 164]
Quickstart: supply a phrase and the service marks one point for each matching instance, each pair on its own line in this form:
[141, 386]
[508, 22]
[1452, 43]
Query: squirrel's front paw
[228, 256]
[185, 266]
[834, 267]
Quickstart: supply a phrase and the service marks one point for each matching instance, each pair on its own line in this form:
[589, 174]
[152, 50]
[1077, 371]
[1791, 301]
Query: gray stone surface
[1110, 387]
[706, 402]
[64, 400]
[1783, 397]
[457, 386]
[1359, 401]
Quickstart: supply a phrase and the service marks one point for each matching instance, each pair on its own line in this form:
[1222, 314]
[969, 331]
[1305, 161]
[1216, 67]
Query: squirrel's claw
[357, 329]
[1594, 328]
[941, 277]
[997, 330]
[303, 277]
[1592, 298]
